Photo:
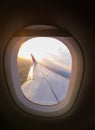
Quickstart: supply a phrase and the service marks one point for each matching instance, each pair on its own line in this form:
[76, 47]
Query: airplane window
[44, 67]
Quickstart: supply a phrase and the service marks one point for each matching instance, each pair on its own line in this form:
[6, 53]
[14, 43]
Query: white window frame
[11, 73]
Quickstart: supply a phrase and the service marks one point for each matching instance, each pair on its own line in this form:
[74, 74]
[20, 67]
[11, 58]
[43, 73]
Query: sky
[46, 48]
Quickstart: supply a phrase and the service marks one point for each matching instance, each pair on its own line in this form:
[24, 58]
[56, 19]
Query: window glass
[44, 67]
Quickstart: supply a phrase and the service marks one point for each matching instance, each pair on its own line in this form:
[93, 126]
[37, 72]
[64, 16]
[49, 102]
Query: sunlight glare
[44, 48]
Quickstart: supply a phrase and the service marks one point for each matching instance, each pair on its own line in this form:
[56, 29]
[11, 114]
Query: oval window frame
[10, 62]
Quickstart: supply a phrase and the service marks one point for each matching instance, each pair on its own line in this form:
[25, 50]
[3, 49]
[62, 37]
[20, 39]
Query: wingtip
[33, 58]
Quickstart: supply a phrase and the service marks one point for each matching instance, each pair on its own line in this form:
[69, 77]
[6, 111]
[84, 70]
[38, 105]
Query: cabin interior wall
[80, 26]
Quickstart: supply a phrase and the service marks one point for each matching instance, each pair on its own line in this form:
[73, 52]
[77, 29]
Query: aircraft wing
[45, 87]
